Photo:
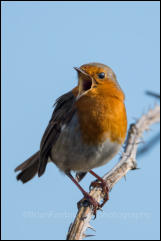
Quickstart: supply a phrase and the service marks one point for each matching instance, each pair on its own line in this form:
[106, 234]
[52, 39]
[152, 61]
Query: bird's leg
[86, 195]
[100, 182]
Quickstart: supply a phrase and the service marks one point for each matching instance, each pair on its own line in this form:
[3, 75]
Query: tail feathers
[29, 168]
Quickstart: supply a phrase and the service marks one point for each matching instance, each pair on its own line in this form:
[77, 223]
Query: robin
[87, 129]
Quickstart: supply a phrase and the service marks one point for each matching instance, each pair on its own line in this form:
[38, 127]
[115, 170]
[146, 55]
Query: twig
[153, 94]
[148, 145]
[126, 163]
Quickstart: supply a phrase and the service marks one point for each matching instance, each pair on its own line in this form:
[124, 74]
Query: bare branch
[126, 163]
[153, 94]
[148, 145]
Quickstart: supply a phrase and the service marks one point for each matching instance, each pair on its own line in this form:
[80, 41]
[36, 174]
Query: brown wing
[62, 114]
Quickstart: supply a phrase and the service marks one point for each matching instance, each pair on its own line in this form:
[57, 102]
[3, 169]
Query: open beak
[85, 80]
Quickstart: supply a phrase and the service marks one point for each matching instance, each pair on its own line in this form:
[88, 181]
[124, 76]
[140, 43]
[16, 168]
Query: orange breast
[102, 114]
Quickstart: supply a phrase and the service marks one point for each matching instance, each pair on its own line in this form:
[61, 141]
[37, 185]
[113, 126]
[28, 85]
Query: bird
[87, 129]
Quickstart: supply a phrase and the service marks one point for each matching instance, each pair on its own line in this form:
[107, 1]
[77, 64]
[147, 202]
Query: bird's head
[95, 75]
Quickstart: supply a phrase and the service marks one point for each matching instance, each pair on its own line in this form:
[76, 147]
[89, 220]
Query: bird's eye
[101, 75]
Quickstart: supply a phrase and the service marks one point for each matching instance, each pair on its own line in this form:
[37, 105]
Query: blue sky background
[41, 42]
